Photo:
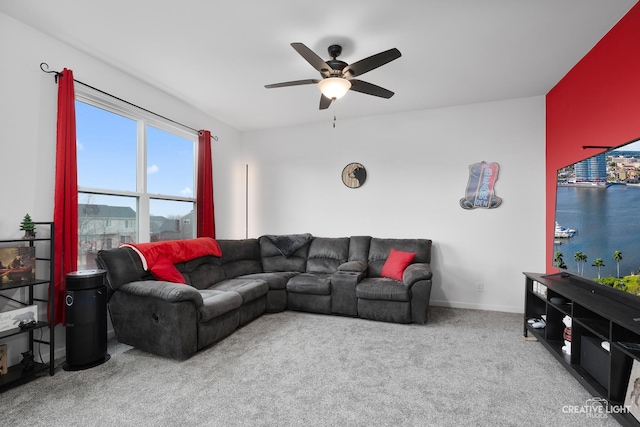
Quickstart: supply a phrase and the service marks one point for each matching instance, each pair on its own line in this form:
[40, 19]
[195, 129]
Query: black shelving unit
[599, 314]
[16, 374]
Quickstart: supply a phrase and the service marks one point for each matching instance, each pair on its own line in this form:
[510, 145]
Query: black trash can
[86, 310]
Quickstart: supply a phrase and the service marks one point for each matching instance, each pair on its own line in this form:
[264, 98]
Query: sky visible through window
[634, 146]
[169, 164]
[107, 150]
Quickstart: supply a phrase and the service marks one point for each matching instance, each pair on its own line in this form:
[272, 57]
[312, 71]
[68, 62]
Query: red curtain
[204, 196]
[65, 214]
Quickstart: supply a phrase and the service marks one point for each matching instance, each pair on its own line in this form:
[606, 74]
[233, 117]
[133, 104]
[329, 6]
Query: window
[136, 176]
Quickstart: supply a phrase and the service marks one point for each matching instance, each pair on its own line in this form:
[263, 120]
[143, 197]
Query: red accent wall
[596, 103]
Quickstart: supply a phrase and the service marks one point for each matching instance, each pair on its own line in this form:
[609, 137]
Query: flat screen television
[597, 218]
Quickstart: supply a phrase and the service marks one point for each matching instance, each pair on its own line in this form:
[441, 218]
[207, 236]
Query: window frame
[143, 119]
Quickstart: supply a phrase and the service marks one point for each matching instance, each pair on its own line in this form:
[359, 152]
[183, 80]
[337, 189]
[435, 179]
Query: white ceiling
[218, 55]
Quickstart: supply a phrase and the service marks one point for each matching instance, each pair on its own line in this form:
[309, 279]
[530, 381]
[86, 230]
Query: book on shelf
[3, 359]
[539, 289]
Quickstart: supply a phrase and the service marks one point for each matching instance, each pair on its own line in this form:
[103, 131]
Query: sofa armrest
[354, 266]
[416, 272]
[158, 317]
[166, 291]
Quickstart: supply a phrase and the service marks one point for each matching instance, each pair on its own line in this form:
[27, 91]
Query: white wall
[28, 123]
[417, 165]
[417, 170]
[28, 110]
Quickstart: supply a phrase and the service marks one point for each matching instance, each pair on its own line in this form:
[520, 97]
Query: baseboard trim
[474, 306]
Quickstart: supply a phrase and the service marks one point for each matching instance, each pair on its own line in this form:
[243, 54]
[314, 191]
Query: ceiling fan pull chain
[334, 119]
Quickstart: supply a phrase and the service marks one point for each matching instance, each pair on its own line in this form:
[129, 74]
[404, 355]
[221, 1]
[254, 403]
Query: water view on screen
[597, 230]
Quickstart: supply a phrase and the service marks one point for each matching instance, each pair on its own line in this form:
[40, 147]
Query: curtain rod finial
[44, 65]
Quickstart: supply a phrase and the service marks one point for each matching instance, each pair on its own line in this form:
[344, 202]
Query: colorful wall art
[480, 191]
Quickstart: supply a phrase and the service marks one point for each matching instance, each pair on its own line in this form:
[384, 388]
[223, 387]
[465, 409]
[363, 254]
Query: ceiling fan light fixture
[334, 87]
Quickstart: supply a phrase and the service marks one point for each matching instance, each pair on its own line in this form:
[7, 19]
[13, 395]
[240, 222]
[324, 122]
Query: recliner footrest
[381, 288]
[217, 303]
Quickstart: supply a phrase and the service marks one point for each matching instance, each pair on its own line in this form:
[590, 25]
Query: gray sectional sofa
[340, 276]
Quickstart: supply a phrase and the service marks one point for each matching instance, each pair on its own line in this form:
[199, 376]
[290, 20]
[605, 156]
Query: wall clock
[354, 175]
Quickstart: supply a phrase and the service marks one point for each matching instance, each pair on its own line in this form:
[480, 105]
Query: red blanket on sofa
[174, 250]
[159, 257]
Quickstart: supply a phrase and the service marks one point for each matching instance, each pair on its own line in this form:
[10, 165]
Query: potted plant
[29, 227]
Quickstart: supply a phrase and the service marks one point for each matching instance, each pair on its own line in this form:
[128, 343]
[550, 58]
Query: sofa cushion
[382, 288]
[277, 280]
[202, 272]
[354, 267]
[240, 257]
[327, 254]
[217, 303]
[249, 289]
[395, 265]
[359, 248]
[288, 244]
[273, 260]
[310, 283]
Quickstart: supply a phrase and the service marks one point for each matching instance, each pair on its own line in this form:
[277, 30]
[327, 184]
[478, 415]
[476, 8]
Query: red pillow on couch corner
[163, 269]
[396, 263]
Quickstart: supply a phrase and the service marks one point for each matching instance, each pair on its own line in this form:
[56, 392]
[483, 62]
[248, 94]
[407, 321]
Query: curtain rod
[44, 65]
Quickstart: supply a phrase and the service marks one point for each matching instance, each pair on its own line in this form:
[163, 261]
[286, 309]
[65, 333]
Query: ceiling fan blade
[292, 83]
[365, 65]
[370, 89]
[311, 57]
[325, 102]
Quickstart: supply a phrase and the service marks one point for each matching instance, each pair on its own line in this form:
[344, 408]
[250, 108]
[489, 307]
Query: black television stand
[599, 315]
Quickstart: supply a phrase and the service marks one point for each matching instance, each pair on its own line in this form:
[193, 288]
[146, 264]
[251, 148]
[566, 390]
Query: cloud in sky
[187, 192]
[79, 145]
[153, 169]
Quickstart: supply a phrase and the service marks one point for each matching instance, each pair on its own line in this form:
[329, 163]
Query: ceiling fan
[338, 76]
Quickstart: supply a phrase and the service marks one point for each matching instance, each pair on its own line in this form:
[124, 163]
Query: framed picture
[17, 264]
[18, 318]
[632, 398]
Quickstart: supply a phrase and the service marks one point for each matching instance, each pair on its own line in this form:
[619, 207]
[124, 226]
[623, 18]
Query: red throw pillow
[163, 269]
[396, 264]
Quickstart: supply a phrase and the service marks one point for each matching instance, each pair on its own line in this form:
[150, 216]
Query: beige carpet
[463, 368]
